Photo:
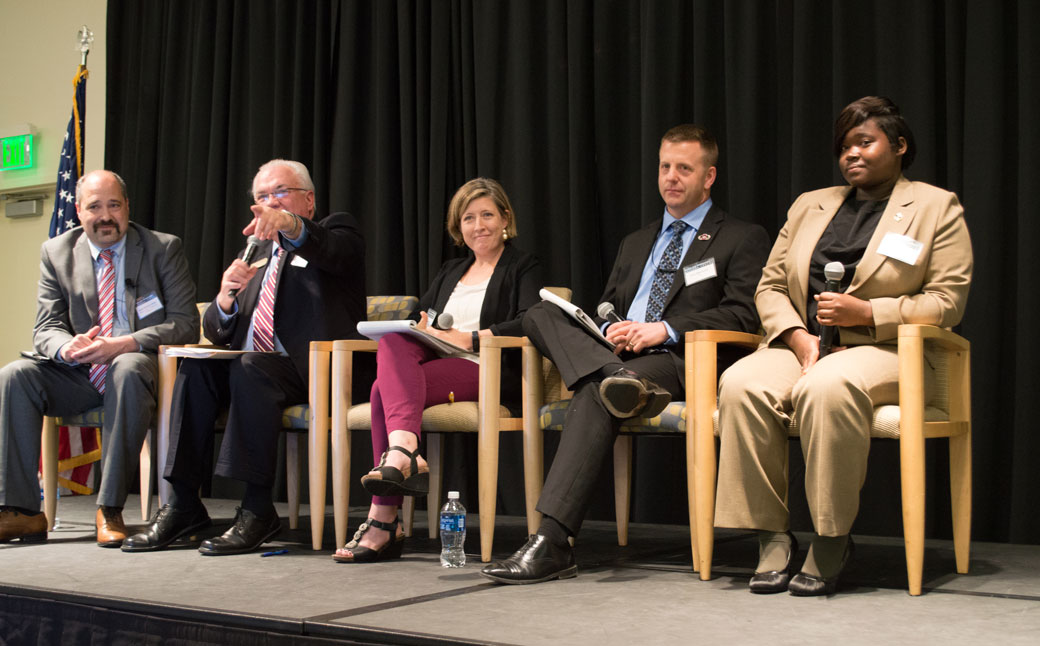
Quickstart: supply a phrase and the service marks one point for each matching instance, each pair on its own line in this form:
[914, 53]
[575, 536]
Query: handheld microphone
[444, 321]
[252, 247]
[606, 311]
[833, 272]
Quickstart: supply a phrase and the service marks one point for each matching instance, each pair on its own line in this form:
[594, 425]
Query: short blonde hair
[472, 190]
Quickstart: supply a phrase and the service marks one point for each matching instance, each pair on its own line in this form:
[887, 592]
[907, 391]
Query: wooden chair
[485, 417]
[379, 308]
[49, 460]
[295, 419]
[673, 421]
[920, 415]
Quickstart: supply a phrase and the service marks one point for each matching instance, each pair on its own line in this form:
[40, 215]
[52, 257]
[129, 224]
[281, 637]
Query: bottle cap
[453, 495]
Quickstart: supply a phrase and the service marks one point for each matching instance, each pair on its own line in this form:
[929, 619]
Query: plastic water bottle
[453, 532]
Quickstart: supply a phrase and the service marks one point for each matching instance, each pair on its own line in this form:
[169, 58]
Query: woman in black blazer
[486, 293]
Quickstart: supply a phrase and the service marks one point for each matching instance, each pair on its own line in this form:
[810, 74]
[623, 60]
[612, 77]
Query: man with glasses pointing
[305, 282]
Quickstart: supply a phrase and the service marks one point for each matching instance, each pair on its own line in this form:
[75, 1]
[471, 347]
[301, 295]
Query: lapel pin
[899, 216]
[704, 236]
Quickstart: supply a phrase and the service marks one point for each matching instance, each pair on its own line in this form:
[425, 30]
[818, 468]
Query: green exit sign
[16, 152]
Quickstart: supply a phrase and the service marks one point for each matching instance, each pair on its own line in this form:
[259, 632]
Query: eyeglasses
[278, 194]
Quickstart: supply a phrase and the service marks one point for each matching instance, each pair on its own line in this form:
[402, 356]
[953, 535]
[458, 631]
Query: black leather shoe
[626, 394]
[808, 585]
[247, 533]
[168, 525]
[538, 560]
[774, 581]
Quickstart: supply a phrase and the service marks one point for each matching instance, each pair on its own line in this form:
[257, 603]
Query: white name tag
[901, 248]
[298, 261]
[699, 271]
[148, 305]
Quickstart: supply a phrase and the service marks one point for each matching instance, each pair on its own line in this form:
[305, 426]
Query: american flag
[79, 446]
[70, 166]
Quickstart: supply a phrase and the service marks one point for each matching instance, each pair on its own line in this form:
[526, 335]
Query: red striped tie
[106, 314]
[263, 320]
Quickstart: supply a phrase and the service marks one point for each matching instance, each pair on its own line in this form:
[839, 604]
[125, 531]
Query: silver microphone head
[834, 271]
[604, 310]
[444, 321]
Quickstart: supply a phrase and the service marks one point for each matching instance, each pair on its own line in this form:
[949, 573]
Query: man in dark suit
[307, 284]
[111, 292]
[661, 298]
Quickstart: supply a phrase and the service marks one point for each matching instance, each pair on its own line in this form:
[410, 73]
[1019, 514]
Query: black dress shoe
[247, 533]
[168, 525]
[808, 585]
[538, 560]
[774, 581]
[626, 394]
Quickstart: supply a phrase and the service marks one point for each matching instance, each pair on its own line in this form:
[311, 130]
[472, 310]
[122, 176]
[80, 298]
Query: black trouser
[589, 429]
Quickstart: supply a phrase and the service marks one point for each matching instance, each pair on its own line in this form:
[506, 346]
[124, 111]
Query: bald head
[103, 207]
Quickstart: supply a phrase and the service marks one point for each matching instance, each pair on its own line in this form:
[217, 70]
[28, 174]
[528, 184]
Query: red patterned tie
[263, 320]
[106, 314]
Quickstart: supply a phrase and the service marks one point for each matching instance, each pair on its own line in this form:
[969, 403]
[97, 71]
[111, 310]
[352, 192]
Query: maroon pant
[409, 378]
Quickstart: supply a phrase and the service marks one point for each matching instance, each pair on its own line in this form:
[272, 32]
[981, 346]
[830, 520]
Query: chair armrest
[504, 341]
[355, 345]
[937, 335]
[729, 337]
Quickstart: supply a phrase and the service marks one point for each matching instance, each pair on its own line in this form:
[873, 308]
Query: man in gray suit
[111, 292]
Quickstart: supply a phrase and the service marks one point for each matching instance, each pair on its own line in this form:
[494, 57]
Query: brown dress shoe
[16, 525]
[110, 528]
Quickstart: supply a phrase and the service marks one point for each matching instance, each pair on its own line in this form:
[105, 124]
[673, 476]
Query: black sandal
[390, 481]
[353, 552]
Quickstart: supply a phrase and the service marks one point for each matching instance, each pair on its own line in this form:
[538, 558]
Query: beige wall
[38, 56]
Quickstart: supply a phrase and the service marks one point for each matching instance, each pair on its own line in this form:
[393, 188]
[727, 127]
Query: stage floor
[645, 593]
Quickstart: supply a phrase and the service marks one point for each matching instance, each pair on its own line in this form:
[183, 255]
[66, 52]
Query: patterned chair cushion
[458, 417]
[391, 308]
[671, 420]
[884, 426]
[92, 417]
[296, 418]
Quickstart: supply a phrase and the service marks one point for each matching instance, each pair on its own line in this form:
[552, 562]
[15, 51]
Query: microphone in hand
[444, 321]
[833, 272]
[606, 311]
[248, 256]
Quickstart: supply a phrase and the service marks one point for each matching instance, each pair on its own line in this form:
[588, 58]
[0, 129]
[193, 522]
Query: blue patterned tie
[665, 272]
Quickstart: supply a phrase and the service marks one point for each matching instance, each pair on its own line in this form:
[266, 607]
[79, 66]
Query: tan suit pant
[833, 403]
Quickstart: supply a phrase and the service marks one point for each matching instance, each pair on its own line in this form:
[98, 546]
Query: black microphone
[444, 321]
[606, 311]
[833, 272]
[252, 247]
[129, 282]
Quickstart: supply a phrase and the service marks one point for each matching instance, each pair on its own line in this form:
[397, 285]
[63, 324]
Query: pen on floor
[275, 553]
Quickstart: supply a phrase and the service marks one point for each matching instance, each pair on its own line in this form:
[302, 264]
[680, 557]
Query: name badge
[901, 248]
[699, 271]
[298, 261]
[147, 305]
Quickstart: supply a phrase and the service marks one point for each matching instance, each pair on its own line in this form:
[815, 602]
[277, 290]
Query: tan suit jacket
[933, 290]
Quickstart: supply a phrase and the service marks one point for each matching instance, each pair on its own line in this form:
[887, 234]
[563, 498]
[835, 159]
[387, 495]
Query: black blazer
[321, 292]
[513, 287]
[725, 302]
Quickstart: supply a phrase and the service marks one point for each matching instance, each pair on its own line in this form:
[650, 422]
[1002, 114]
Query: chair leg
[622, 485]
[146, 474]
[292, 477]
[407, 513]
[340, 479]
[911, 455]
[435, 460]
[960, 490]
[487, 483]
[49, 455]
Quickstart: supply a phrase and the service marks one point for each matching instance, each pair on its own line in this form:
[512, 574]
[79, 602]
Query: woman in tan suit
[907, 258]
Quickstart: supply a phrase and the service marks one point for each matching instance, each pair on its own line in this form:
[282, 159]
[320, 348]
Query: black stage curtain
[394, 104]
